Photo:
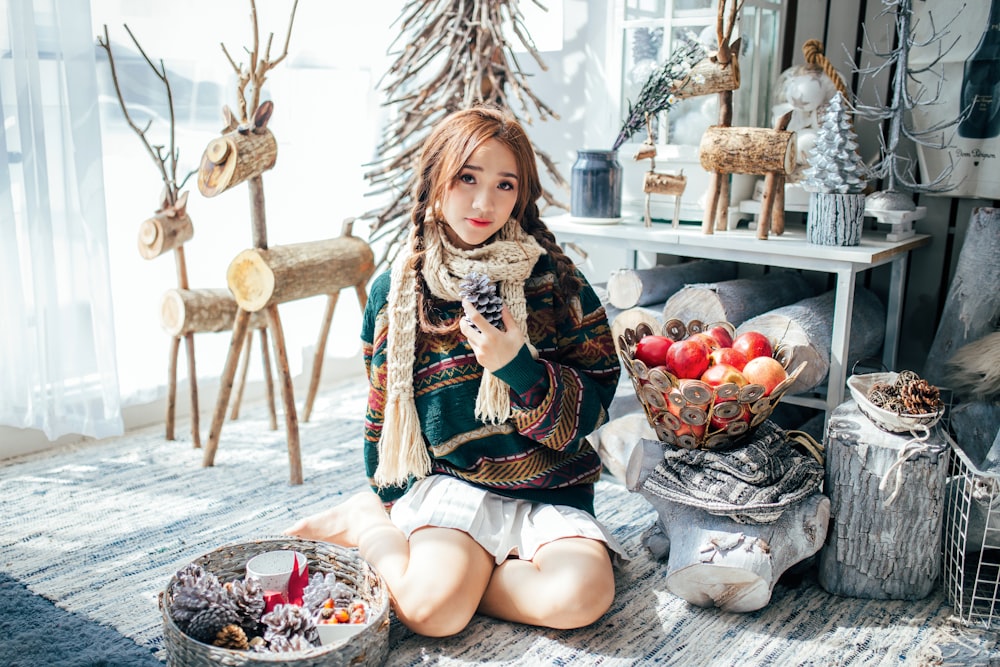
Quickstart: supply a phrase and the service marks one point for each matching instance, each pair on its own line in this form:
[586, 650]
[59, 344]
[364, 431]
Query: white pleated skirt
[505, 527]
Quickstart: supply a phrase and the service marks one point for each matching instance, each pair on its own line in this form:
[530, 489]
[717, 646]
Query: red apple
[652, 350]
[721, 374]
[765, 371]
[721, 335]
[727, 356]
[688, 358]
[752, 344]
[710, 342]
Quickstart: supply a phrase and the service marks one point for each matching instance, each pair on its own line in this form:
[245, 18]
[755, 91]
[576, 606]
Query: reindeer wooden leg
[175, 344]
[265, 357]
[722, 205]
[778, 219]
[711, 203]
[193, 383]
[241, 382]
[766, 206]
[287, 395]
[317, 365]
[226, 385]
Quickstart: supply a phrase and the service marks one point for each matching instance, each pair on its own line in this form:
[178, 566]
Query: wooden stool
[887, 494]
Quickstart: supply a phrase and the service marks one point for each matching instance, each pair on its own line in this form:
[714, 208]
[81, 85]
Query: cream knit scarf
[508, 261]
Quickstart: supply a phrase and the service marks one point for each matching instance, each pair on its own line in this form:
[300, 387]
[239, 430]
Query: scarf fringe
[493, 400]
[408, 455]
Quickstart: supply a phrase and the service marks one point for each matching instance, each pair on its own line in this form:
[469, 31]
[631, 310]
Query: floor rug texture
[98, 530]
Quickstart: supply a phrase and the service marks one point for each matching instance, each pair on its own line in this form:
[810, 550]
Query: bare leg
[569, 584]
[436, 579]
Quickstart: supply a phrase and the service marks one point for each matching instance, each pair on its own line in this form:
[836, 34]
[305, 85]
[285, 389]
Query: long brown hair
[446, 151]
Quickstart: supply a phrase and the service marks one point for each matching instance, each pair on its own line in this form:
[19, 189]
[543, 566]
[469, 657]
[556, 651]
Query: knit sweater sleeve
[564, 395]
[373, 347]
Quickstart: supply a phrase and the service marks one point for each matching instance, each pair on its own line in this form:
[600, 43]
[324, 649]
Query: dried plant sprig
[659, 93]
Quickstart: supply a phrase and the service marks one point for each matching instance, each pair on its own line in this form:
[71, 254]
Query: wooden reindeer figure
[261, 278]
[659, 183]
[726, 150]
[184, 312]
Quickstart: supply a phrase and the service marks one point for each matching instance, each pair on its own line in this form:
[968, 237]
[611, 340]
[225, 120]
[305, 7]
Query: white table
[789, 250]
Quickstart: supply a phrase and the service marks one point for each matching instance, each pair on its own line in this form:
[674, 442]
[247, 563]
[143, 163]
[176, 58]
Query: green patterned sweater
[541, 453]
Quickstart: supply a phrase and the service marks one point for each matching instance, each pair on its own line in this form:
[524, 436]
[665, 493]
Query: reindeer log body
[664, 184]
[747, 150]
[235, 157]
[262, 277]
[184, 311]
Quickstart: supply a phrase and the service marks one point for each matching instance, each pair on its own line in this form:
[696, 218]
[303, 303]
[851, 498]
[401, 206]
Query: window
[646, 33]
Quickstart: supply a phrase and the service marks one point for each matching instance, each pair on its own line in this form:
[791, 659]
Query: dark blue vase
[596, 185]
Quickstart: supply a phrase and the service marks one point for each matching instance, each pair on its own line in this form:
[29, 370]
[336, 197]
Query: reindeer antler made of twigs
[256, 73]
[724, 26]
[165, 164]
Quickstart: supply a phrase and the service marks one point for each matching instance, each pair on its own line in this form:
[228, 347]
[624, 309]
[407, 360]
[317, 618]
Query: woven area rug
[100, 528]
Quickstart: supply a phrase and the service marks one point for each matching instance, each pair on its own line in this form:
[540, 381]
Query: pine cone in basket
[198, 595]
[248, 599]
[290, 625]
[920, 397]
[232, 637]
[477, 289]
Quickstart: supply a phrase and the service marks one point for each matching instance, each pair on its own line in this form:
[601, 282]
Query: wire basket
[972, 542]
[690, 413]
[369, 647]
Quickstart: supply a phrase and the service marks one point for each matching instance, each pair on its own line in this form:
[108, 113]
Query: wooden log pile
[737, 300]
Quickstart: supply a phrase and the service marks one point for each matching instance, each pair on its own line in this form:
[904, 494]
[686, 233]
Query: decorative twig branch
[477, 65]
[255, 73]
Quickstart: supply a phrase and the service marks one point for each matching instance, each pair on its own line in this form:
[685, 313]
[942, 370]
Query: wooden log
[642, 287]
[164, 232]
[803, 332]
[709, 76]
[184, 311]
[885, 540]
[835, 219]
[235, 157]
[714, 561]
[747, 150]
[972, 306]
[262, 277]
[736, 301]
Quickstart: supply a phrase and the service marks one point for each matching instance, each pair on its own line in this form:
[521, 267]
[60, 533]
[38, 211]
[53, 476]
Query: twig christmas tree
[896, 169]
[455, 54]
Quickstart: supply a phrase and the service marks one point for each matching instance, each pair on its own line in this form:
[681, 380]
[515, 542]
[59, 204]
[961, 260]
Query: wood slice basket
[681, 410]
[887, 420]
[369, 647]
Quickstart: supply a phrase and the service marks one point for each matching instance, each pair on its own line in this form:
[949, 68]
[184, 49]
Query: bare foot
[343, 523]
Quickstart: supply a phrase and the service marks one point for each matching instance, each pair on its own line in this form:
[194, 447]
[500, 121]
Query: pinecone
[646, 44]
[920, 397]
[248, 599]
[195, 590]
[232, 637]
[478, 289]
[322, 588]
[208, 623]
[287, 624]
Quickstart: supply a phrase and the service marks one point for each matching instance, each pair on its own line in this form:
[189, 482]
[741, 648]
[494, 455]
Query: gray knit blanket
[753, 481]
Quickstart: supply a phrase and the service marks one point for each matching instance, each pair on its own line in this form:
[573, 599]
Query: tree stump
[973, 302]
[736, 301]
[803, 331]
[643, 287]
[884, 540]
[713, 561]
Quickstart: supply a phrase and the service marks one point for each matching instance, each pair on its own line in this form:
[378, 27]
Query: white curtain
[57, 346]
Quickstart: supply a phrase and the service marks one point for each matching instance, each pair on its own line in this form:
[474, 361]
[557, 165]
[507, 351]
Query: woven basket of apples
[702, 386]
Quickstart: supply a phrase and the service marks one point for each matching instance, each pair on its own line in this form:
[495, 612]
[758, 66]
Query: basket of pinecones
[897, 402]
[213, 614]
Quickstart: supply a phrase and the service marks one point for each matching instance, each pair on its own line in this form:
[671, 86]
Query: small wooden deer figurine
[658, 182]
